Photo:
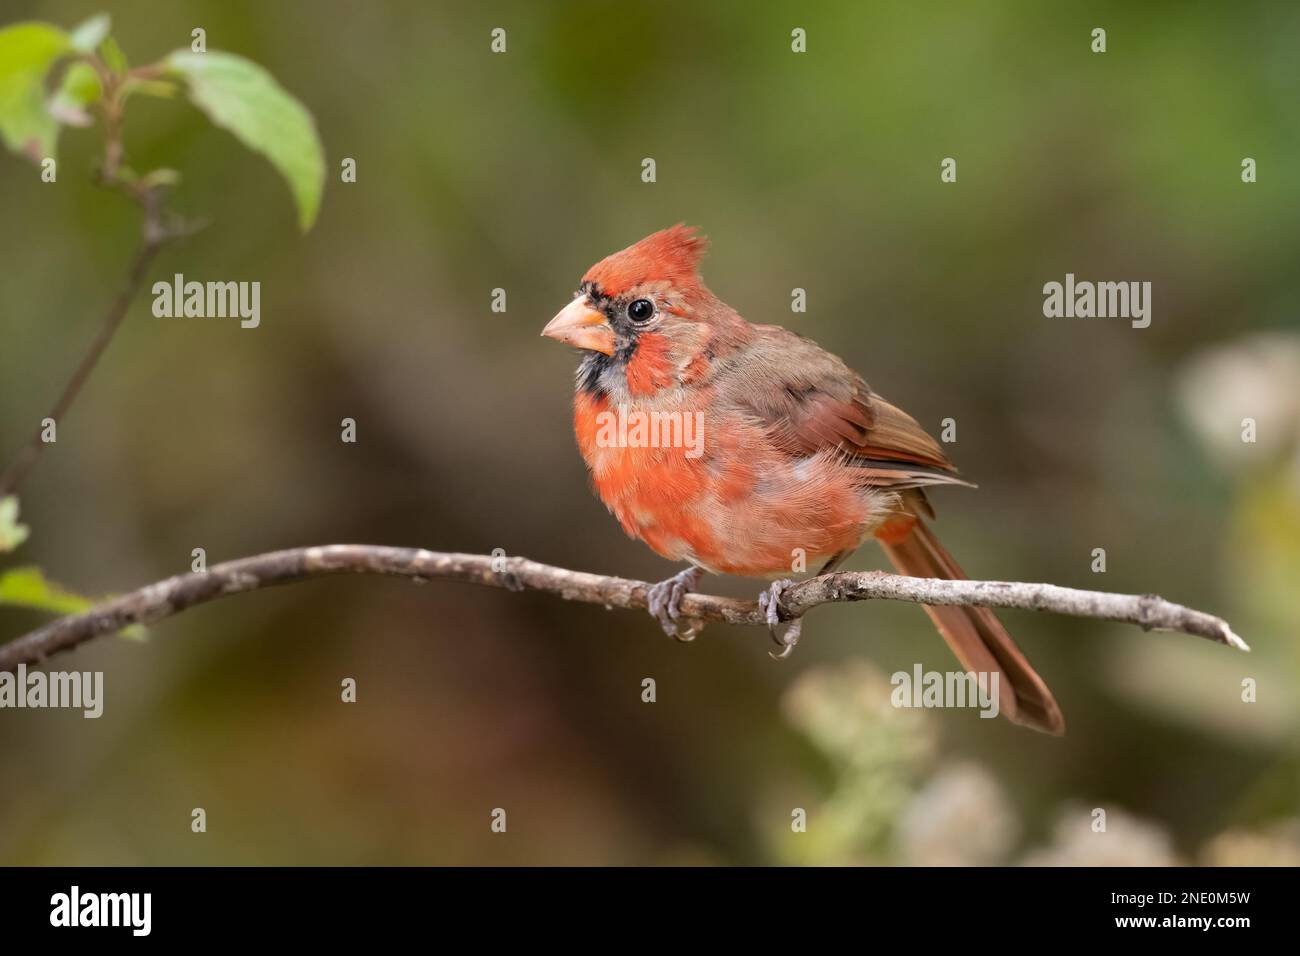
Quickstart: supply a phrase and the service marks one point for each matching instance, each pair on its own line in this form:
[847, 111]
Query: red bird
[739, 447]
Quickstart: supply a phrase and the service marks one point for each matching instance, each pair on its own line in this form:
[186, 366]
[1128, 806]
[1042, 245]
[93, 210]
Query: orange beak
[580, 325]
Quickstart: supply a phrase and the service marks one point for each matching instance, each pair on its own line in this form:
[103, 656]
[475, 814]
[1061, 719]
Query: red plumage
[792, 454]
[671, 255]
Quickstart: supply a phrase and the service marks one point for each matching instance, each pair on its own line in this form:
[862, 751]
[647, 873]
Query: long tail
[974, 633]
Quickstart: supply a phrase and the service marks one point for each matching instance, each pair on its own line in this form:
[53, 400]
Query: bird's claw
[665, 604]
[770, 603]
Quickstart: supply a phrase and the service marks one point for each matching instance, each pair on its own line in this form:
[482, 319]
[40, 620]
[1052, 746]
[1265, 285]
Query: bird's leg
[665, 603]
[769, 601]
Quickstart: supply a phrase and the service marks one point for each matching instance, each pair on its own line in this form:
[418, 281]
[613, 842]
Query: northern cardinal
[795, 454]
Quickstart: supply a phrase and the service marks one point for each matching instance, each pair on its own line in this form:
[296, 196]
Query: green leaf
[113, 56]
[81, 84]
[78, 89]
[160, 177]
[134, 632]
[27, 587]
[164, 89]
[86, 36]
[27, 51]
[12, 534]
[242, 97]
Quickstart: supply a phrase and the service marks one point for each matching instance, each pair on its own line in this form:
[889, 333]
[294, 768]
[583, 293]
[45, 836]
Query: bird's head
[642, 314]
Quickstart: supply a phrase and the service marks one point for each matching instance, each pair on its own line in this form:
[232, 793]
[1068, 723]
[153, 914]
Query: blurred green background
[816, 170]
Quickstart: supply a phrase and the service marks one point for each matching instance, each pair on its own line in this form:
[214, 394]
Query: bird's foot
[665, 604]
[770, 603]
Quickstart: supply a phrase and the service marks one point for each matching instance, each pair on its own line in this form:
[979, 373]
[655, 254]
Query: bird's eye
[642, 310]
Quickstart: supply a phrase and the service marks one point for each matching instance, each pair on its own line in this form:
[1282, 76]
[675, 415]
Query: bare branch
[25, 459]
[157, 229]
[165, 598]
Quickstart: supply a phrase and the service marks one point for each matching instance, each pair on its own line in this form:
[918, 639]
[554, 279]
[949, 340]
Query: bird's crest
[670, 255]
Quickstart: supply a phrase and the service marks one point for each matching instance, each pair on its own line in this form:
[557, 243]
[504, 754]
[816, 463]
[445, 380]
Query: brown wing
[811, 401]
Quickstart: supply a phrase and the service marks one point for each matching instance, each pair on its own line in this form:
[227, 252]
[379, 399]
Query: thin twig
[157, 229]
[23, 462]
[175, 594]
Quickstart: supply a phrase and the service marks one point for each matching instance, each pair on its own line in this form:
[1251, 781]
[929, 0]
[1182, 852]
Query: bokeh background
[820, 171]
